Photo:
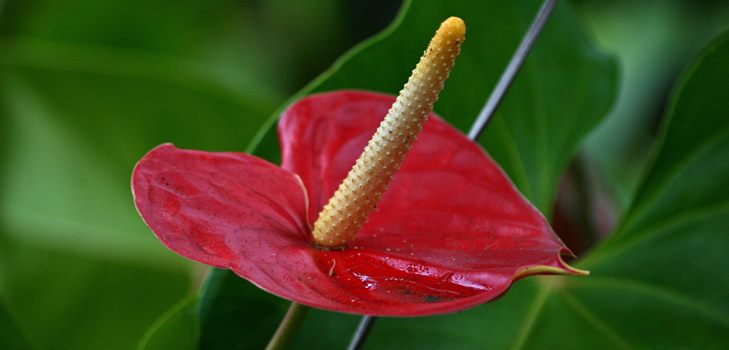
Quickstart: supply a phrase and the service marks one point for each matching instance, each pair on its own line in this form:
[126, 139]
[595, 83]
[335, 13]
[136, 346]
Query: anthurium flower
[441, 231]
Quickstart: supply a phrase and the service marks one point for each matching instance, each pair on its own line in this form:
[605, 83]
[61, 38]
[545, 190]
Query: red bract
[451, 232]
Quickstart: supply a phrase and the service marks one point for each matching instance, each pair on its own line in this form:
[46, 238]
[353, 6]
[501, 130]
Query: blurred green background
[88, 86]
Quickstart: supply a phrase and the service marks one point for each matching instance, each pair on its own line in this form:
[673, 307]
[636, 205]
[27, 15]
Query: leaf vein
[598, 324]
[655, 291]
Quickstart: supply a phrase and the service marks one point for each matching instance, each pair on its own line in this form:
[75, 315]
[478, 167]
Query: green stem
[288, 326]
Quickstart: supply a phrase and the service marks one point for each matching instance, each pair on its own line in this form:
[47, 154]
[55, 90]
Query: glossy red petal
[450, 233]
[228, 210]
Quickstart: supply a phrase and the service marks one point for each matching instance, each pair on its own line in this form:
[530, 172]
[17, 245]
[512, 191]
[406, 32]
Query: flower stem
[288, 326]
[507, 77]
[363, 329]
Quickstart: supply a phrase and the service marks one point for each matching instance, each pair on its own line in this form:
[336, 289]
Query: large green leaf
[65, 301]
[215, 32]
[80, 269]
[653, 40]
[76, 124]
[232, 314]
[565, 88]
[79, 118]
[658, 282]
[238, 317]
[243, 43]
[235, 314]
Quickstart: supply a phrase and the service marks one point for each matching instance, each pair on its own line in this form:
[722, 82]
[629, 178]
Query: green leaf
[245, 44]
[82, 270]
[177, 329]
[239, 316]
[65, 301]
[78, 120]
[10, 335]
[208, 31]
[235, 314]
[671, 246]
[565, 88]
[653, 41]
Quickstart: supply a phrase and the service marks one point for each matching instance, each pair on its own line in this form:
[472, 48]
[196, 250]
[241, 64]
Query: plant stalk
[363, 330]
[288, 326]
[507, 77]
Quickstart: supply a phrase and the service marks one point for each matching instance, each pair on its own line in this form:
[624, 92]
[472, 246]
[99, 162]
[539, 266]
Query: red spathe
[451, 231]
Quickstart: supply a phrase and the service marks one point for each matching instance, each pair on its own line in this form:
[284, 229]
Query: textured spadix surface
[362, 188]
[451, 231]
